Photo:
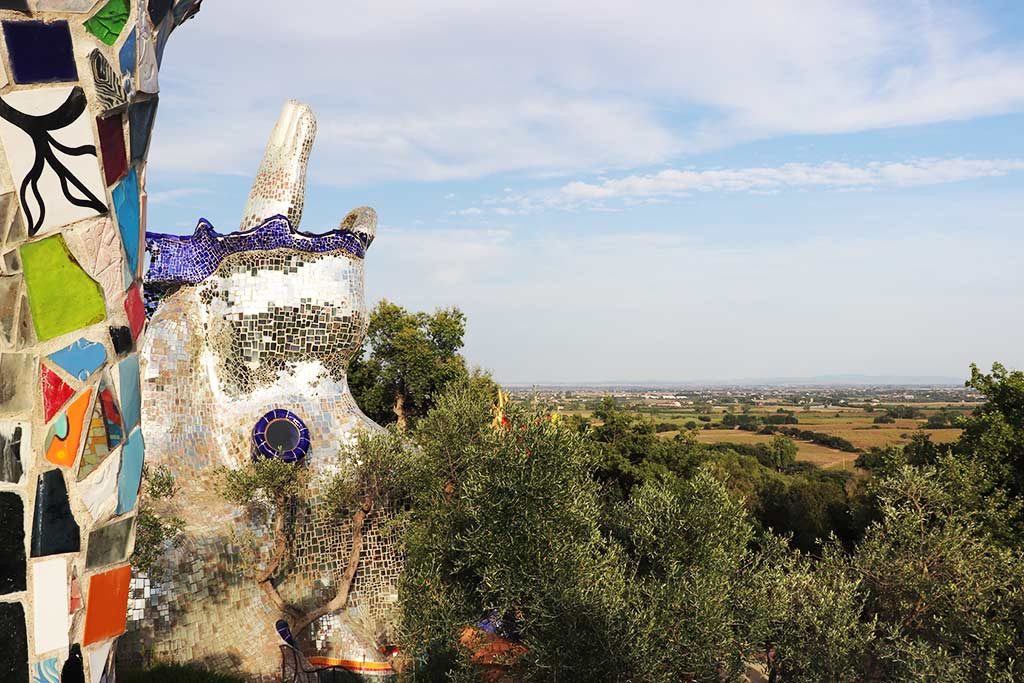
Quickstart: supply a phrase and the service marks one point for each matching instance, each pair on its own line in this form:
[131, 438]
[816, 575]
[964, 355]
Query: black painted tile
[141, 116]
[54, 529]
[121, 338]
[12, 543]
[40, 52]
[14, 650]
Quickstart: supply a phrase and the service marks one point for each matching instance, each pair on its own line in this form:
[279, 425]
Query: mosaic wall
[78, 95]
[246, 354]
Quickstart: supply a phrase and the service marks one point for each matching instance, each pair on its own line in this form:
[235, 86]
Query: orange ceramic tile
[106, 607]
[66, 433]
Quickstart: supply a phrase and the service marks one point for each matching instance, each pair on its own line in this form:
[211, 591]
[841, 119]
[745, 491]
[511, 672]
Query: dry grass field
[853, 424]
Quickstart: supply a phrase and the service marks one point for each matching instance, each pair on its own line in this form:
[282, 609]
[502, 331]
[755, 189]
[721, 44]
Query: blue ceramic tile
[40, 52]
[46, 671]
[81, 358]
[130, 476]
[126, 207]
[126, 57]
[141, 116]
[128, 387]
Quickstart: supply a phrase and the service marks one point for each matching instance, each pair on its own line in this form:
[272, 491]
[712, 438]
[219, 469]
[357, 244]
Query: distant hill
[815, 381]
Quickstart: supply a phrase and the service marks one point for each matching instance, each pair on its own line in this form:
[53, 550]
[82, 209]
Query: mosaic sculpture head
[78, 97]
[246, 356]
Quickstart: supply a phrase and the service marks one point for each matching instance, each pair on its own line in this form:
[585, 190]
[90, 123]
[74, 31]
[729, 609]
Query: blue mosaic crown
[190, 259]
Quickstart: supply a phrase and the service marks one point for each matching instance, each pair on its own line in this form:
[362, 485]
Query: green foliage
[376, 470]
[947, 599]
[406, 361]
[266, 479]
[153, 535]
[506, 520]
[160, 483]
[154, 532]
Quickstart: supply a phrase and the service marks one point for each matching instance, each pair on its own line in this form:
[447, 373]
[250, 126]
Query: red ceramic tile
[106, 610]
[115, 158]
[56, 392]
[136, 311]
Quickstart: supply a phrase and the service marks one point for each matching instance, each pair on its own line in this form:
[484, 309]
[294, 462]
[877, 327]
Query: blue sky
[640, 191]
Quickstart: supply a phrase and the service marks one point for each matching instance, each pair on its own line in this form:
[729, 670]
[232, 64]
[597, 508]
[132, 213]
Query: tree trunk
[345, 585]
[399, 409]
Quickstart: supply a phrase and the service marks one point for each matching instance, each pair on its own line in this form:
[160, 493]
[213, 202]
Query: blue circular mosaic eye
[280, 434]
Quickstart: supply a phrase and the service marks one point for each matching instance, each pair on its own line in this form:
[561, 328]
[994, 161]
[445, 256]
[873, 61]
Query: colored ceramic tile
[109, 544]
[109, 21]
[141, 116]
[110, 92]
[55, 390]
[38, 128]
[10, 288]
[80, 358]
[126, 60]
[74, 592]
[99, 491]
[17, 382]
[128, 388]
[126, 207]
[12, 543]
[146, 77]
[50, 620]
[46, 671]
[97, 660]
[73, 670]
[14, 653]
[62, 297]
[130, 477]
[54, 529]
[15, 446]
[65, 434]
[121, 339]
[96, 449]
[107, 608]
[96, 246]
[115, 159]
[112, 420]
[136, 310]
[40, 52]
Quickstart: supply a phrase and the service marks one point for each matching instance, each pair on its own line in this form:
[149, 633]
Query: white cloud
[458, 89]
[832, 175]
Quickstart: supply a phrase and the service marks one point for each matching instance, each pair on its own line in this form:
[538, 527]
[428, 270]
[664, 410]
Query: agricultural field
[874, 421]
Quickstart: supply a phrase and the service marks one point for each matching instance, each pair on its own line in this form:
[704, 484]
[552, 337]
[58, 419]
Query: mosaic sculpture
[245, 357]
[78, 94]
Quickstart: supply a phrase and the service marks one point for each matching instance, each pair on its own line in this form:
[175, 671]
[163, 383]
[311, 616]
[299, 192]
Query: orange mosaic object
[62, 450]
[106, 610]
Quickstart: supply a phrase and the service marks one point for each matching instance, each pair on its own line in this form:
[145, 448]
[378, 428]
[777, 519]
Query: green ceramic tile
[109, 21]
[62, 297]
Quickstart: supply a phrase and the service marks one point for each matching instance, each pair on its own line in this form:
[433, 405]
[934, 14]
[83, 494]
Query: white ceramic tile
[50, 604]
[21, 156]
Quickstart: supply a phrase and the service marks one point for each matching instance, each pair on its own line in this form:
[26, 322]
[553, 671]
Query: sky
[673, 191]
